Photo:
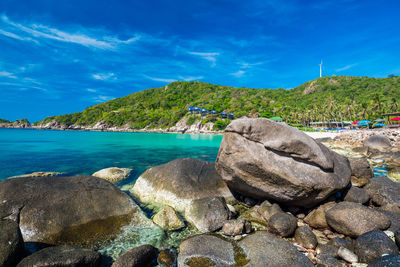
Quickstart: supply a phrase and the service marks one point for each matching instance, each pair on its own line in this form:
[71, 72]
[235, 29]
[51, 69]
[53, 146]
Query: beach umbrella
[360, 123]
[380, 120]
[354, 122]
[364, 121]
[379, 125]
[395, 119]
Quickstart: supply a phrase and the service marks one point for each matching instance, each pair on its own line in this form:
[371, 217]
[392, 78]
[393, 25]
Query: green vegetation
[334, 98]
[4, 121]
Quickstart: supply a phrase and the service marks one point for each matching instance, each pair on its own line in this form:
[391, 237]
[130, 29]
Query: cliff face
[24, 123]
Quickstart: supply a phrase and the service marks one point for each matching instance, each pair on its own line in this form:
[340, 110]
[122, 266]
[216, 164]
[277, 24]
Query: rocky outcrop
[113, 174]
[361, 171]
[141, 256]
[178, 182]
[342, 218]
[67, 209]
[66, 255]
[268, 160]
[383, 191]
[38, 174]
[378, 142]
[168, 220]
[11, 243]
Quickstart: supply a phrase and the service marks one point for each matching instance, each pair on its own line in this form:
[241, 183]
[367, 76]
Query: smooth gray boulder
[361, 171]
[283, 224]
[267, 160]
[178, 182]
[11, 243]
[236, 227]
[386, 261]
[357, 195]
[264, 249]
[168, 219]
[66, 256]
[317, 217]
[305, 237]
[378, 142]
[353, 219]
[113, 174]
[384, 191]
[372, 245]
[207, 214]
[141, 256]
[61, 210]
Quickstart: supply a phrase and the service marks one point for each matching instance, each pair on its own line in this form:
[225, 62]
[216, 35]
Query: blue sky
[62, 56]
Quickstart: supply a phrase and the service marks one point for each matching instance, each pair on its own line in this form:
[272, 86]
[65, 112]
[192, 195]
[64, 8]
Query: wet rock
[236, 227]
[11, 243]
[361, 171]
[206, 250]
[167, 219]
[137, 257]
[207, 214]
[384, 191]
[386, 261]
[316, 218]
[377, 142]
[263, 247]
[347, 255]
[268, 160]
[65, 255]
[305, 237]
[78, 209]
[371, 245]
[166, 258]
[178, 182]
[113, 174]
[357, 195]
[342, 218]
[340, 242]
[283, 224]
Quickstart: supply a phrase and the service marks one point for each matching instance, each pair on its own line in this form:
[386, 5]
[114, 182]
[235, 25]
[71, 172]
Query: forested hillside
[324, 99]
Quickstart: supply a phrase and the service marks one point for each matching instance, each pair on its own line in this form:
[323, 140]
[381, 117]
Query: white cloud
[210, 56]
[104, 76]
[102, 98]
[7, 74]
[91, 90]
[190, 78]
[346, 67]
[160, 79]
[247, 65]
[15, 36]
[238, 74]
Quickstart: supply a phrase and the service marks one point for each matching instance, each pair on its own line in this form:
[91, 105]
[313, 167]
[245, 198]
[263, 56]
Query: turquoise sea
[82, 152]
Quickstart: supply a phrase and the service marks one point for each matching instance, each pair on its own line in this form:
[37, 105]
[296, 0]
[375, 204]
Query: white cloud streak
[238, 74]
[209, 56]
[346, 67]
[104, 76]
[190, 78]
[7, 75]
[160, 79]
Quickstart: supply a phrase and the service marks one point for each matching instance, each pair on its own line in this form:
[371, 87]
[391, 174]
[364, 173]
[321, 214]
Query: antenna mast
[320, 69]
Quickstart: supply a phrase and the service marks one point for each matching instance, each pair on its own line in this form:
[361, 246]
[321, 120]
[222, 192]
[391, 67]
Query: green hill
[328, 98]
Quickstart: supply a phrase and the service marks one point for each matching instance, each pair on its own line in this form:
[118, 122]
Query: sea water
[25, 151]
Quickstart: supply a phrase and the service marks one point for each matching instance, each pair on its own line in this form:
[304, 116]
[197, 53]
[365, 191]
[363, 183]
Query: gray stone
[361, 171]
[168, 220]
[353, 219]
[113, 174]
[327, 260]
[378, 142]
[264, 249]
[61, 210]
[65, 255]
[11, 243]
[142, 256]
[268, 160]
[347, 255]
[340, 242]
[266, 210]
[370, 246]
[236, 227]
[305, 237]
[178, 182]
[357, 195]
[384, 191]
[283, 224]
[317, 218]
[207, 214]
[386, 261]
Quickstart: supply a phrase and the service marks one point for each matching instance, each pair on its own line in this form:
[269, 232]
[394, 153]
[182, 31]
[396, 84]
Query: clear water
[82, 152]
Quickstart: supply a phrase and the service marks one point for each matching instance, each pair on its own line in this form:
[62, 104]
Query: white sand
[322, 134]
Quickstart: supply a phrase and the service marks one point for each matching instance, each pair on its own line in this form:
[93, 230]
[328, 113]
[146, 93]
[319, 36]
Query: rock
[166, 258]
[394, 220]
[357, 195]
[316, 218]
[178, 182]
[65, 255]
[371, 245]
[378, 142]
[361, 171]
[207, 214]
[384, 191]
[340, 242]
[77, 209]
[266, 210]
[305, 237]
[268, 160]
[11, 243]
[386, 261]
[137, 257]
[397, 238]
[113, 174]
[206, 250]
[38, 174]
[236, 227]
[347, 255]
[283, 224]
[342, 218]
[327, 249]
[327, 260]
[167, 219]
[262, 247]
[253, 215]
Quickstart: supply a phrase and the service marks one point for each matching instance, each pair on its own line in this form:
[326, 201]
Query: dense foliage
[4, 121]
[325, 99]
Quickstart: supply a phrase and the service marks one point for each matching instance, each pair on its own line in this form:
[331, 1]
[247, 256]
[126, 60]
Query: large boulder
[141, 256]
[361, 171]
[178, 182]
[11, 243]
[113, 174]
[371, 245]
[65, 255]
[67, 209]
[386, 261]
[384, 191]
[378, 142]
[354, 219]
[268, 160]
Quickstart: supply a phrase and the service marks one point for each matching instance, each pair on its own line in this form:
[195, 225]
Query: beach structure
[393, 119]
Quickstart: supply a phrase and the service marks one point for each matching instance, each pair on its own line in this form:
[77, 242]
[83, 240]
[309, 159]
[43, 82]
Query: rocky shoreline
[274, 197]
